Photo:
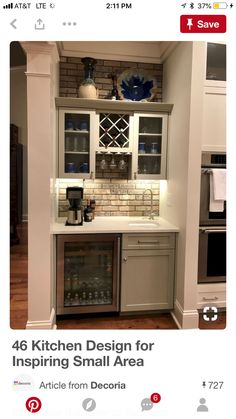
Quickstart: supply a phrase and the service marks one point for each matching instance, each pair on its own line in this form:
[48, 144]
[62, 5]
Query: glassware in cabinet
[75, 150]
[150, 146]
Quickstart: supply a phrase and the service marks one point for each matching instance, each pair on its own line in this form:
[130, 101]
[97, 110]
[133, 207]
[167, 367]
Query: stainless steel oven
[212, 230]
[212, 254]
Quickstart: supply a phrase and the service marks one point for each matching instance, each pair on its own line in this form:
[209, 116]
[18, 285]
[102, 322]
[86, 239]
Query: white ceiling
[148, 52]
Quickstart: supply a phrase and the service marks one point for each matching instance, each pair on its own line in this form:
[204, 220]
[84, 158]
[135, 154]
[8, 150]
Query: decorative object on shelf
[136, 85]
[114, 92]
[88, 88]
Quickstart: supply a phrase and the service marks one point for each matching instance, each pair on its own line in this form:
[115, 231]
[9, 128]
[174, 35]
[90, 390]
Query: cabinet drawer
[214, 295]
[149, 241]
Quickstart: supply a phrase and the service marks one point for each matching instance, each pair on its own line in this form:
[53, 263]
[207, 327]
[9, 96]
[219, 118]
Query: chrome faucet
[151, 214]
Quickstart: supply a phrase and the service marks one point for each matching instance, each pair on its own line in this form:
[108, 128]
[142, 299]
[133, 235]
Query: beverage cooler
[88, 268]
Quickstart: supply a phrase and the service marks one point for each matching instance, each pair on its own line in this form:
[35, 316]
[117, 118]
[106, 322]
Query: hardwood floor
[19, 280]
[19, 306]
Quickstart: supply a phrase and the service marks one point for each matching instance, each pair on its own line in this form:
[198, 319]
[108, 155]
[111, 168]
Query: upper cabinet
[96, 136]
[215, 63]
[76, 151]
[150, 143]
[214, 101]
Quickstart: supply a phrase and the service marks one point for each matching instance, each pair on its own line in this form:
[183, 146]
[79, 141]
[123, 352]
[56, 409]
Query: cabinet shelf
[143, 134]
[74, 131]
[149, 154]
[76, 152]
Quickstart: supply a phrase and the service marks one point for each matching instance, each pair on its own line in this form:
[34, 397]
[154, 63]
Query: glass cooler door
[87, 273]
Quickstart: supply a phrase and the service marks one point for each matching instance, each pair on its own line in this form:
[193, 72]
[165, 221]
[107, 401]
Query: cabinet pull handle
[210, 299]
[91, 175]
[148, 242]
[125, 259]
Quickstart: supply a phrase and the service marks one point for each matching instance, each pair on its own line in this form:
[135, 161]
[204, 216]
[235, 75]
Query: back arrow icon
[12, 23]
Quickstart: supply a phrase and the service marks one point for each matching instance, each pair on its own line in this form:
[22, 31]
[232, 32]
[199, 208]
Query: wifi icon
[8, 6]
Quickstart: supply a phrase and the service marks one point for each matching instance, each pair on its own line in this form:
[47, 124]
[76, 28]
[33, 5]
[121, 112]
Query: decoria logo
[22, 382]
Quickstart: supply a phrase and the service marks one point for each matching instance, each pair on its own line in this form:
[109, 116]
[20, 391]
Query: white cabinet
[147, 272]
[76, 147]
[214, 100]
[213, 294]
[149, 146]
[89, 128]
[114, 132]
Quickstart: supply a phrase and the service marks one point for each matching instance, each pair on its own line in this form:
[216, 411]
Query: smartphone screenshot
[118, 209]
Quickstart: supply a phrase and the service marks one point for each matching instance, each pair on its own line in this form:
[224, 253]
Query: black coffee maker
[75, 212]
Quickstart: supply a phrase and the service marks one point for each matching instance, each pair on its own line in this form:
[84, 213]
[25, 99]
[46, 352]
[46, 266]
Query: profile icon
[202, 407]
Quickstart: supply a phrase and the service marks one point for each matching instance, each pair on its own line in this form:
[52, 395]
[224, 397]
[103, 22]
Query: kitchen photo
[117, 185]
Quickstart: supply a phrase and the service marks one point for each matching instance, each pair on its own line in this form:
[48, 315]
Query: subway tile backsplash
[113, 197]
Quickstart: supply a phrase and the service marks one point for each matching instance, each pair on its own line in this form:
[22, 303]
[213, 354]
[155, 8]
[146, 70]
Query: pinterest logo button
[33, 404]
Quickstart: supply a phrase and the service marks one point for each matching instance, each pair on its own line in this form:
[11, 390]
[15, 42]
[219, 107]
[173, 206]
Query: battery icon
[220, 5]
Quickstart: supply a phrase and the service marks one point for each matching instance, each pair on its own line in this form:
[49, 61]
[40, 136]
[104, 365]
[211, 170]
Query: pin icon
[33, 404]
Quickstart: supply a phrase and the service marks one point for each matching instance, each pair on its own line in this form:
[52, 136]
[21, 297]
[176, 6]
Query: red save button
[202, 23]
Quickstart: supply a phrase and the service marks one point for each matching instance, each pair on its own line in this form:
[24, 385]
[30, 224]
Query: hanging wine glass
[103, 164]
[113, 163]
[122, 164]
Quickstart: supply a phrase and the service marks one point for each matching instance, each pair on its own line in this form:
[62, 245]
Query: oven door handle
[212, 230]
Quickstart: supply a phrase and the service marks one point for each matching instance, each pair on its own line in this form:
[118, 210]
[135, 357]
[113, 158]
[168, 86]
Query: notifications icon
[146, 404]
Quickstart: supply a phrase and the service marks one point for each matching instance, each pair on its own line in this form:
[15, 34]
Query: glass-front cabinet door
[150, 146]
[216, 62]
[87, 273]
[76, 151]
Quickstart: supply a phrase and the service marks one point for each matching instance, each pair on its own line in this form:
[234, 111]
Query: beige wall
[18, 116]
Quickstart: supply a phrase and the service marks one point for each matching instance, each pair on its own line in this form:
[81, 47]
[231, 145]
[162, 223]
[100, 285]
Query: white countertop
[111, 224]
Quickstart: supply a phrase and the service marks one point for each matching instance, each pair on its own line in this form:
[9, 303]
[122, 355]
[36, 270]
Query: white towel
[217, 190]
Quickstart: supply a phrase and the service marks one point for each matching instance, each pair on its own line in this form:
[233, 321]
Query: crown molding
[138, 51]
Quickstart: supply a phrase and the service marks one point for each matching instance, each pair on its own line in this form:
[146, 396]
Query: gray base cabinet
[147, 272]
